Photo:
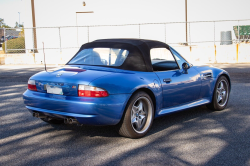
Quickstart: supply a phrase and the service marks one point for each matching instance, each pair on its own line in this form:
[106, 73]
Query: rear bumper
[91, 111]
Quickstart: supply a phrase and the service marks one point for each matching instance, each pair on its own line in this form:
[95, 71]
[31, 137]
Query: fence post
[60, 39]
[77, 32]
[214, 32]
[165, 33]
[189, 33]
[88, 33]
[238, 31]
[25, 46]
[5, 49]
[33, 49]
[139, 31]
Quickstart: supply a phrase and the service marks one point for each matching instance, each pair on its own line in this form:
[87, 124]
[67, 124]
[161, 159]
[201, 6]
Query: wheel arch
[150, 93]
[211, 105]
[228, 78]
[225, 74]
[146, 90]
[218, 76]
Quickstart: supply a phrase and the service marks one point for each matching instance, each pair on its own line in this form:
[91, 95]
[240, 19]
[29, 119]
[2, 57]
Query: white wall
[195, 54]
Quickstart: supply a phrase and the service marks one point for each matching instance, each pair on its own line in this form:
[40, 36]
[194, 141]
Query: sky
[62, 12]
[9, 11]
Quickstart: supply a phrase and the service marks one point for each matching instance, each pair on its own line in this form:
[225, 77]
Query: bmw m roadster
[124, 82]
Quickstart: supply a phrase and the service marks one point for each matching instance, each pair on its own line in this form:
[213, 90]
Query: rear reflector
[91, 91]
[32, 85]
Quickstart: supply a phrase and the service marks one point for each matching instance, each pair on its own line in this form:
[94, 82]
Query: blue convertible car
[124, 82]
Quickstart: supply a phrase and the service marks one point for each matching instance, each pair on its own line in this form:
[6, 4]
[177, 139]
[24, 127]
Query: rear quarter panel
[129, 82]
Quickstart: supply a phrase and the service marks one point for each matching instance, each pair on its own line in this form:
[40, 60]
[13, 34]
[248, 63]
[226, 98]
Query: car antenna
[44, 58]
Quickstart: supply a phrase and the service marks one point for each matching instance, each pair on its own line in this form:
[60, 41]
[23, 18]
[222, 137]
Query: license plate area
[54, 90]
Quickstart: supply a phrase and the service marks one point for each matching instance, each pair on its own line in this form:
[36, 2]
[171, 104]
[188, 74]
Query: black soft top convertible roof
[138, 58]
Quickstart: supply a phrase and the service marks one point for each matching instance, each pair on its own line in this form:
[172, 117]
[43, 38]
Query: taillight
[91, 91]
[32, 85]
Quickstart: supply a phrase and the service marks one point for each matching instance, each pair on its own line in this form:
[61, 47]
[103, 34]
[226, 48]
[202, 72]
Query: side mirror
[185, 67]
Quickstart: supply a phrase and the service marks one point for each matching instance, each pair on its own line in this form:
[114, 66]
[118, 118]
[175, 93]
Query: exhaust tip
[70, 121]
[37, 115]
[66, 121]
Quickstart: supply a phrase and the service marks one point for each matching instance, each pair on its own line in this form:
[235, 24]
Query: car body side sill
[186, 106]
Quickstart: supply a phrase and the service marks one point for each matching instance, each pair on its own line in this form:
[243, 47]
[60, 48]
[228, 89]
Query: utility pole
[34, 25]
[186, 21]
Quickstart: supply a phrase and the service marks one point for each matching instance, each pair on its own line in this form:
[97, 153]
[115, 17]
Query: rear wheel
[138, 117]
[52, 121]
[221, 94]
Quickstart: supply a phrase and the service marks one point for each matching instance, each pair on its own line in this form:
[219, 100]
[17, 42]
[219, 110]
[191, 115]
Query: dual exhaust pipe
[66, 120]
[70, 121]
[37, 115]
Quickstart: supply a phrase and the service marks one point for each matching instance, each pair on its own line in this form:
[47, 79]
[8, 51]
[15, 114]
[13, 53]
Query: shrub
[18, 43]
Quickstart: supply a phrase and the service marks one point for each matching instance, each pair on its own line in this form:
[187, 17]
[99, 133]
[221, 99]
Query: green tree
[5, 26]
[2, 24]
[1, 21]
[21, 34]
[16, 26]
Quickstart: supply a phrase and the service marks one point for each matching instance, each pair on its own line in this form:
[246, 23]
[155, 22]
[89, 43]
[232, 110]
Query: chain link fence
[68, 39]
[13, 40]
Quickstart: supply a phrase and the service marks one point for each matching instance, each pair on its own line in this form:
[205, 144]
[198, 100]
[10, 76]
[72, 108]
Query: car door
[178, 87]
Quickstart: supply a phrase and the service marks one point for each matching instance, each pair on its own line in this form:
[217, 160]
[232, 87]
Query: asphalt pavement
[192, 137]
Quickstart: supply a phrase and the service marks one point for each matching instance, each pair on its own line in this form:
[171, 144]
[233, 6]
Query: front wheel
[221, 94]
[138, 117]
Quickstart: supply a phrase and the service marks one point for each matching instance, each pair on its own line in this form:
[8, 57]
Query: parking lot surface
[191, 137]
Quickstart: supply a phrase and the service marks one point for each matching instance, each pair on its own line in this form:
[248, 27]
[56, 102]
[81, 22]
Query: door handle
[167, 80]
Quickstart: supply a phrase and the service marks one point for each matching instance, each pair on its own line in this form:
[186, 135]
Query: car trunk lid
[65, 81]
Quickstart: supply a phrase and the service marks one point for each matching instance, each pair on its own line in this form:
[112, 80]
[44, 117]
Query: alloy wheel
[222, 93]
[141, 114]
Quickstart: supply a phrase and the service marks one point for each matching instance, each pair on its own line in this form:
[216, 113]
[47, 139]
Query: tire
[220, 95]
[52, 121]
[138, 117]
